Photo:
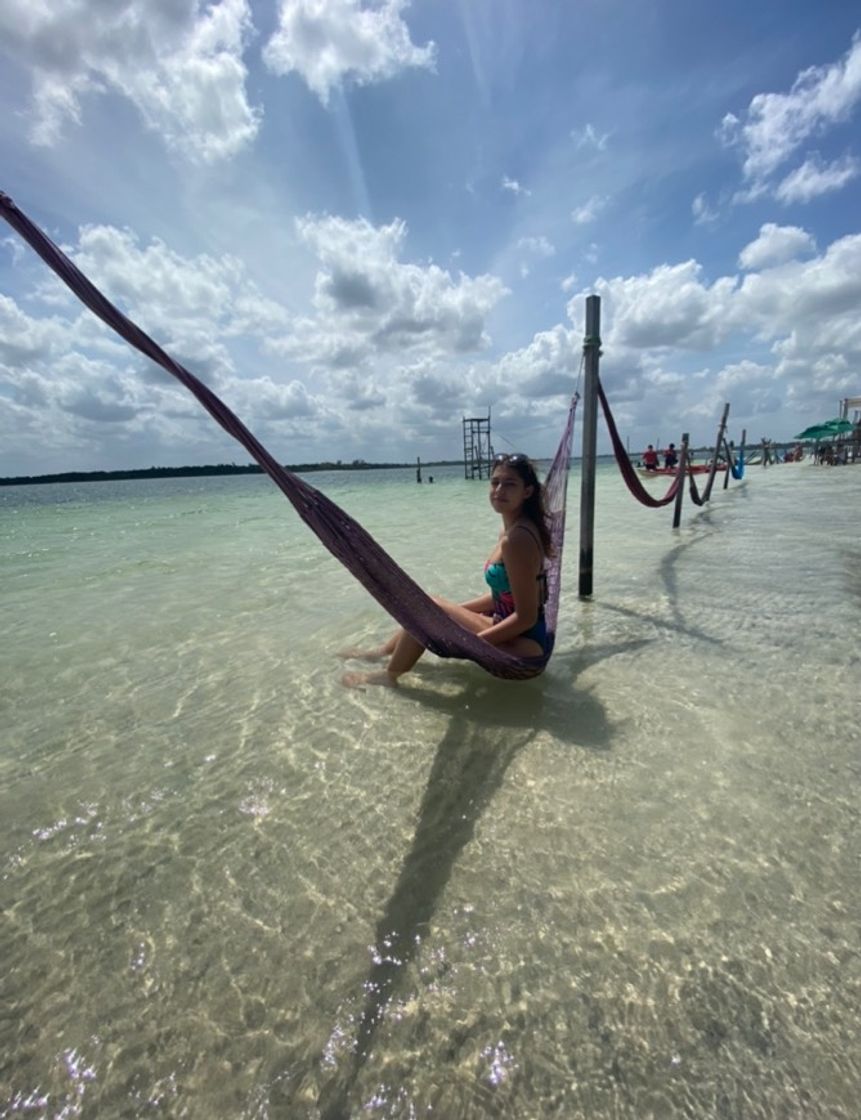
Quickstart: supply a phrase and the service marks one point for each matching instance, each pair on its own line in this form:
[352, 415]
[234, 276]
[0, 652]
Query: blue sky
[359, 222]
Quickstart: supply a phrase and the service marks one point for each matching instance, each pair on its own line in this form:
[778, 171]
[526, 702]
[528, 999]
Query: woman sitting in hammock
[511, 614]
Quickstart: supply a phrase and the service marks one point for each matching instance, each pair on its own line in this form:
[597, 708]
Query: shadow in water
[490, 723]
[675, 625]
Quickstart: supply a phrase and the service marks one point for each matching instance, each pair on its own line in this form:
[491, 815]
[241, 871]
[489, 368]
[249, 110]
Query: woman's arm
[482, 605]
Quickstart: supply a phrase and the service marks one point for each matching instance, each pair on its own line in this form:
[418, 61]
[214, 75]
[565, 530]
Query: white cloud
[547, 367]
[192, 306]
[24, 340]
[589, 211]
[775, 245]
[330, 41]
[539, 246]
[801, 313]
[702, 212]
[668, 307]
[777, 124]
[180, 66]
[817, 299]
[814, 178]
[588, 137]
[513, 186]
[567, 285]
[264, 398]
[67, 383]
[368, 302]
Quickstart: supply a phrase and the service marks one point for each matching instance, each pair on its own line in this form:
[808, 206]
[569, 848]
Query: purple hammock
[393, 589]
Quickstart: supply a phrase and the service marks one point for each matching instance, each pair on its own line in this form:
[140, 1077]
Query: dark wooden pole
[682, 470]
[591, 354]
[718, 445]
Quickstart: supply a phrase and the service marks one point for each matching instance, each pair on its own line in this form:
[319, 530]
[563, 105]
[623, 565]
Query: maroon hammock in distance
[393, 589]
[626, 467]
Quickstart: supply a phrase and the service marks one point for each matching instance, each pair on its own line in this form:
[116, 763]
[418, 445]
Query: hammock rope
[357, 550]
[633, 483]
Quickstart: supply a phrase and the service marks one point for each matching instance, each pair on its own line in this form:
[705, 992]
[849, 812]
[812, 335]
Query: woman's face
[508, 491]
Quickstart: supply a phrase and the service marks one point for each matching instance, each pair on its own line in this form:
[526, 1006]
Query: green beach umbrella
[828, 430]
[838, 427]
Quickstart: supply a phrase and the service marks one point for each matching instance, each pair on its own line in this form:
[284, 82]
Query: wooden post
[729, 463]
[418, 469]
[682, 470]
[718, 444]
[591, 354]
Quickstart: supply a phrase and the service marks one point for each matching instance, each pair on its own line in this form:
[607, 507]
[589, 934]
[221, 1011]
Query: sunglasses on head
[517, 457]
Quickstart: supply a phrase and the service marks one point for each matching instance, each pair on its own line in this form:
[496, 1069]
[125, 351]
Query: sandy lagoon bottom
[233, 889]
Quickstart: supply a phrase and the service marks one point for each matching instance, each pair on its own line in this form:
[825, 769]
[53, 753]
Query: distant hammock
[393, 589]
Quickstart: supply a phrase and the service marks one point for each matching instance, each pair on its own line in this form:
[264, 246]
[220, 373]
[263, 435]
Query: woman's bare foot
[356, 653]
[359, 680]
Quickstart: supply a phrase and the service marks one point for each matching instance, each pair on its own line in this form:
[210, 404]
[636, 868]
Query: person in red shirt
[650, 458]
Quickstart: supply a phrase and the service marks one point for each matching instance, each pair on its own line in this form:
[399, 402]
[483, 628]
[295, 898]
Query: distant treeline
[217, 468]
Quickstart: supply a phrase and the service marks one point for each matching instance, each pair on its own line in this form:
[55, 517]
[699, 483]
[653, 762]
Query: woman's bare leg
[405, 650]
[406, 653]
[378, 653]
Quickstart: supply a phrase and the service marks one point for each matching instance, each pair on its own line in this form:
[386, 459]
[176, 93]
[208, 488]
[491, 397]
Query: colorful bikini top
[496, 578]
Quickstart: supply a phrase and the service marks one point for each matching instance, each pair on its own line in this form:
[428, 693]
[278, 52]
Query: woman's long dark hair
[533, 506]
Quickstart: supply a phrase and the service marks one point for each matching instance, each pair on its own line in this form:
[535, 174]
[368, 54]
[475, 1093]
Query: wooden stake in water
[718, 445]
[591, 355]
[682, 470]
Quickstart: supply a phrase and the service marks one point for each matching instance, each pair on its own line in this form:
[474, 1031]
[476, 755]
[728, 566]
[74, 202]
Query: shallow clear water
[232, 888]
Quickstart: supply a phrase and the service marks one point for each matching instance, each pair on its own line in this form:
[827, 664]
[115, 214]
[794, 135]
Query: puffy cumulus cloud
[24, 340]
[809, 310]
[776, 125]
[814, 178]
[774, 245]
[796, 320]
[667, 307]
[438, 393]
[261, 398]
[66, 372]
[752, 388]
[179, 63]
[330, 41]
[547, 367]
[67, 412]
[191, 305]
[369, 303]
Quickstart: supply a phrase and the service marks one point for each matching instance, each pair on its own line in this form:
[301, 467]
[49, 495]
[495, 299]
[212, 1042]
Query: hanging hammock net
[357, 550]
